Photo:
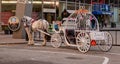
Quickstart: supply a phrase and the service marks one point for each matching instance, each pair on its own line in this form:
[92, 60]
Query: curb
[13, 43]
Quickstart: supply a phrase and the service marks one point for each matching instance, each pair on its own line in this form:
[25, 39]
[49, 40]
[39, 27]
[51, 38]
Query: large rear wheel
[106, 45]
[83, 42]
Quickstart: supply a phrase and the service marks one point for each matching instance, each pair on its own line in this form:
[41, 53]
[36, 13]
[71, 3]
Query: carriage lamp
[93, 43]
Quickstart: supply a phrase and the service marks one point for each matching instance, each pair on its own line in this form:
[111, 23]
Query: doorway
[50, 17]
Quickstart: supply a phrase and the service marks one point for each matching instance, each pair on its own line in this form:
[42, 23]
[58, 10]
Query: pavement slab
[8, 39]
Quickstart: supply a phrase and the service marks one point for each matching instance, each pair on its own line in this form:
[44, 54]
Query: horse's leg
[30, 42]
[44, 40]
[32, 39]
[27, 31]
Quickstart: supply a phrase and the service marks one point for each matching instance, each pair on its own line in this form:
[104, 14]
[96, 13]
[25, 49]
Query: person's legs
[105, 25]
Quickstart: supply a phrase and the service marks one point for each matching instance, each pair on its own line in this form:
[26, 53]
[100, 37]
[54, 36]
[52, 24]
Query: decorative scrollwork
[14, 23]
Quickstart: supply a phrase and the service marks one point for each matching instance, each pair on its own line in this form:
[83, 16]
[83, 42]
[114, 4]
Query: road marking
[106, 60]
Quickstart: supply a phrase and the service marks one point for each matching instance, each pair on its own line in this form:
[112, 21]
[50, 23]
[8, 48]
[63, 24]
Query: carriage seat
[56, 25]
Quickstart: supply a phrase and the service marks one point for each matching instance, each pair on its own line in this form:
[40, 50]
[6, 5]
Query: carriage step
[72, 37]
[71, 40]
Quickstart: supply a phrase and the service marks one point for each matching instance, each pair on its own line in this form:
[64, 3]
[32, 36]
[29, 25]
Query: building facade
[51, 9]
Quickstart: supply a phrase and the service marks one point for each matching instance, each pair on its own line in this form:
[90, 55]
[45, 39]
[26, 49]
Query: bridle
[27, 21]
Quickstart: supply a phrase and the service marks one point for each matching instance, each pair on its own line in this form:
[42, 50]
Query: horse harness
[31, 21]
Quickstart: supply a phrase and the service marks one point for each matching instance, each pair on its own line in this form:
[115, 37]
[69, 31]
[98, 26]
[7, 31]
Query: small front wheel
[83, 42]
[56, 40]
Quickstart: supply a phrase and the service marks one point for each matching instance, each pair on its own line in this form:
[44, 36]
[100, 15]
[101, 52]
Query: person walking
[106, 21]
[93, 23]
[102, 21]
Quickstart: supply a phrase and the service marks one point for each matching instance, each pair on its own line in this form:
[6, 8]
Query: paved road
[23, 54]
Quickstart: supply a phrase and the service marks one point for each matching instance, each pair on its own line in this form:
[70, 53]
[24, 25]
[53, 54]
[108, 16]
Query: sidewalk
[7, 39]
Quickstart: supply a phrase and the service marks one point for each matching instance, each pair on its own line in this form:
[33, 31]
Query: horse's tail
[46, 28]
[46, 25]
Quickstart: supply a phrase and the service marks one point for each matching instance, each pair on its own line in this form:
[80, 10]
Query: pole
[28, 8]
[66, 4]
[55, 8]
[23, 7]
[79, 4]
[42, 9]
[0, 15]
[75, 5]
[91, 6]
[109, 2]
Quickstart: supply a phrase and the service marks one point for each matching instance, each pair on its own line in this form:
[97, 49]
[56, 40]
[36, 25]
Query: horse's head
[26, 20]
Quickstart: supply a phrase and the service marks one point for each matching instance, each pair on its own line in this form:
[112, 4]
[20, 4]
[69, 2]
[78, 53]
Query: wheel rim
[106, 45]
[56, 40]
[83, 42]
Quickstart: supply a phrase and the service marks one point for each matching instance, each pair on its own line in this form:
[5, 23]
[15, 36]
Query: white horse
[31, 25]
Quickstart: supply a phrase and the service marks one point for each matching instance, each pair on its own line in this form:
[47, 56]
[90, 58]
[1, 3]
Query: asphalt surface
[16, 51]
[23, 54]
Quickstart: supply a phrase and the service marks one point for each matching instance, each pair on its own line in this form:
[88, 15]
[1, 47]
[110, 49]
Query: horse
[32, 25]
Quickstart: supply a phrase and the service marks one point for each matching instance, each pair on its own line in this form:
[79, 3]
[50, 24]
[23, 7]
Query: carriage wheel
[56, 40]
[106, 45]
[83, 42]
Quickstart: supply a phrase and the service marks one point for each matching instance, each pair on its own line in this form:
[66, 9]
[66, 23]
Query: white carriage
[81, 29]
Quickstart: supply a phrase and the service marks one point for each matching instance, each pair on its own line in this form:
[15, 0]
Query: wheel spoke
[107, 43]
[83, 42]
[56, 40]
